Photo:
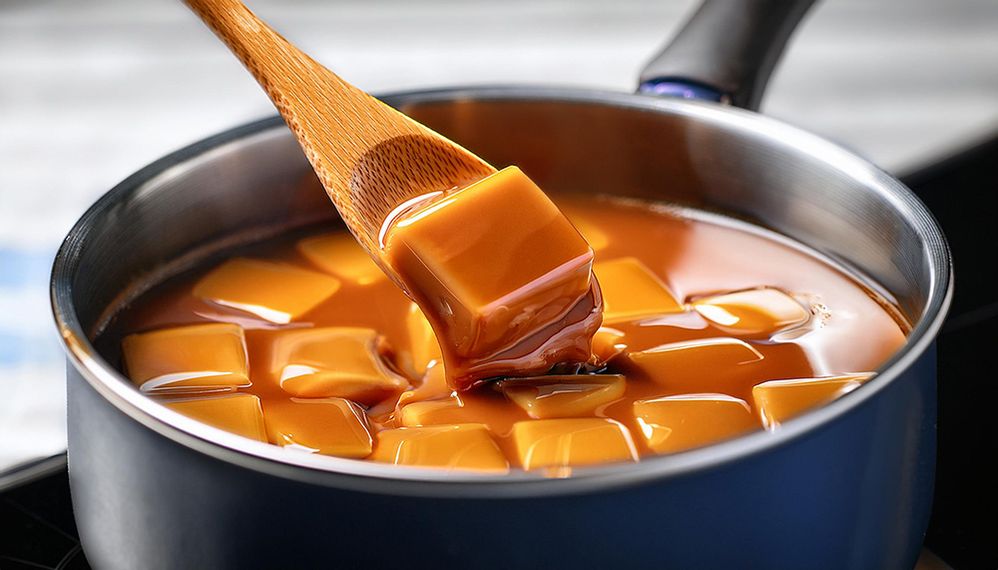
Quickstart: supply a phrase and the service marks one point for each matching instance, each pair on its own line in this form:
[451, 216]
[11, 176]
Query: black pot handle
[725, 52]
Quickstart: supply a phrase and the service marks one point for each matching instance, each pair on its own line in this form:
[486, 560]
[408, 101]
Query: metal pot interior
[254, 181]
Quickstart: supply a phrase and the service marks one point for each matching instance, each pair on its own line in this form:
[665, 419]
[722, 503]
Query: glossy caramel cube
[676, 423]
[207, 357]
[431, 412]
[331, 426]
[779, 400]
[339, 254]
[491, 265]
[572, 442]
[631, 290]
[607, 343]
[432, 387]
[423, 347]
[451, 447]
[240, 414]
[563, 396]
[276, 292]
[762, 311]
[684, 364]
[343, 362]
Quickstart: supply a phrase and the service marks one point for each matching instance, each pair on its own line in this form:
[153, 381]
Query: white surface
[91, 91]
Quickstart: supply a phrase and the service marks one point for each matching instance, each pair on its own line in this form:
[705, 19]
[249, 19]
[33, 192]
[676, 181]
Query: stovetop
[37, 530]
[962, 192]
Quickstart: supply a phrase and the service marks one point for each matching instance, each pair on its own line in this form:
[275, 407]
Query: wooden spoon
[369, 157]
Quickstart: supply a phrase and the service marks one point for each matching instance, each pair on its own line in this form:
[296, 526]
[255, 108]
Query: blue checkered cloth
[32, 405]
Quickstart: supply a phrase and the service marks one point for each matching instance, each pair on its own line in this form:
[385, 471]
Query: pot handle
[725, 52]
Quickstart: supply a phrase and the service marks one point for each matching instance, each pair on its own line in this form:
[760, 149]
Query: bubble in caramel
[714, 335]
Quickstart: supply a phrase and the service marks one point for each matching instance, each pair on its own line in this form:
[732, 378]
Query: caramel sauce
[688, 353]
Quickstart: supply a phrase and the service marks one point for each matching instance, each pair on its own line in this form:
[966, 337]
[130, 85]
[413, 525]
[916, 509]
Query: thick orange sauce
[690, 374]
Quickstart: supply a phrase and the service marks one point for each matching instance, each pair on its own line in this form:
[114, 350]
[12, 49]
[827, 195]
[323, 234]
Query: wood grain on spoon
[502, 276]
[369, 157]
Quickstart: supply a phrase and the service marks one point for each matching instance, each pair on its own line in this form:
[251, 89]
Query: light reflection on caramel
[665, 357]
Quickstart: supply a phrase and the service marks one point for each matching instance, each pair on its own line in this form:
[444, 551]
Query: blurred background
[91, 91]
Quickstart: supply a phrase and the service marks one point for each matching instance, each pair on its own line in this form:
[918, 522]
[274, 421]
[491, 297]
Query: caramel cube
[492, 265]
[343, 362]
[780, 400]
[762, 311]
[339, 254]
[684, 364]
[451, 447]
[433, 387]
[423, 347]
[206, 357]
[240, 414]
[631, 290]
[276, 292]
[572, 442]
[563, 396]
[677, 423]
[331, 426]
[430, 412]
[607, 343]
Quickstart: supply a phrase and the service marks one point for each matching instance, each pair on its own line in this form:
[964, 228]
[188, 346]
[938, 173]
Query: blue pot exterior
[854, 493]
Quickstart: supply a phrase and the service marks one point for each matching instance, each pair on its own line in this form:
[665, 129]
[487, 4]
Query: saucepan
[848, 485]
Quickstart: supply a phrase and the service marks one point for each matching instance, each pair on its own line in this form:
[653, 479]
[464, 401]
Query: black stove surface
[962, 192]
[37, 530]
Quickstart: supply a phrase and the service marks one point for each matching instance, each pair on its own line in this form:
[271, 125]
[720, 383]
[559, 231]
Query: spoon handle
[340, 121]
[369, 157]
